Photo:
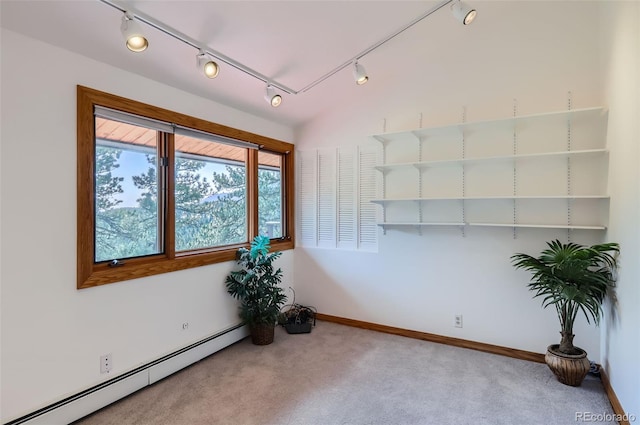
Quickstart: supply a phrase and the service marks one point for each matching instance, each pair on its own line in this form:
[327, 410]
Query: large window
[159, 191]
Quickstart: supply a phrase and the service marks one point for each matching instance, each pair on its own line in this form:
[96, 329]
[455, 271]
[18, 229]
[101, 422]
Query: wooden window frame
[91, 274]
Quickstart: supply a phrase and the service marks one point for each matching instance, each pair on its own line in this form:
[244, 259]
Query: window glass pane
[210, 194]
[270, 194]
[127, 221]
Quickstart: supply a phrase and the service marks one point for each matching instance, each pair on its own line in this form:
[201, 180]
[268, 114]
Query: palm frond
[256, 284]
[571, 277]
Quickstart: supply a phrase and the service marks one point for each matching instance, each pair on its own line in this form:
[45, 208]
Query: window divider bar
[170, 204]
[252, 194]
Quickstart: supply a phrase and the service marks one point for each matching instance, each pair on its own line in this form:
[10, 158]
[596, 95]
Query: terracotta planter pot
[262, 334]
[569, 369]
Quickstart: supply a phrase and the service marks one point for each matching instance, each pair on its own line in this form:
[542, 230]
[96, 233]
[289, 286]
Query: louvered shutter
[326, 202]
[307, 162]
[347, 199]
[335, 187]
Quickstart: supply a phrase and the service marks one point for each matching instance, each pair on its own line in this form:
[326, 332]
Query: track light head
[272, 97]
[135, 40]
[359, 74]
[207, 65]
[463, 12]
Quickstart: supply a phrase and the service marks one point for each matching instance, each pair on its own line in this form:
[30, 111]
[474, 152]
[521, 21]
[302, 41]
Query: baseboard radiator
[92, 399]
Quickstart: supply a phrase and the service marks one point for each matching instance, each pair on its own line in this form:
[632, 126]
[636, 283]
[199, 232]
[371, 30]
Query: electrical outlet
[457, 321]
[185, 326]
[106, 363]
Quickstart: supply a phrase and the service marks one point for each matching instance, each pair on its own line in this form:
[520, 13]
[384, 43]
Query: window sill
[102, 274]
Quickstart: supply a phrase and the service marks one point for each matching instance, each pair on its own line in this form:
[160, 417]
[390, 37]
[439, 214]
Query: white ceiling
[292, 42]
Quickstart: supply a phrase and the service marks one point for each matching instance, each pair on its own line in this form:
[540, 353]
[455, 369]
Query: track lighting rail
[257, 75]
[374, 46]
[196, 45]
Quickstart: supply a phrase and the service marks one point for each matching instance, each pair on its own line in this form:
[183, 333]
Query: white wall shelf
[511, 122]
[541, 226]
[484, 198]
[517, 225]
[550, 167]
[389, 224]
[469, 161]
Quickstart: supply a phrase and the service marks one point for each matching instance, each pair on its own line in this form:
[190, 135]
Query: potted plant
[571, 278]
[256, 286]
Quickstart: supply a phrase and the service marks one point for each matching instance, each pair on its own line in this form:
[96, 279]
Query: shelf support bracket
[384, 143]
[569, 167]
[515, 173]
[464, 149]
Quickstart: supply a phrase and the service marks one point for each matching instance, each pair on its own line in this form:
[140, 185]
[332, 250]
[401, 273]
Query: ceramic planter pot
[569, 369]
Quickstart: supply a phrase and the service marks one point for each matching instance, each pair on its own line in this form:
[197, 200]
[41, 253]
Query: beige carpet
[343, 375]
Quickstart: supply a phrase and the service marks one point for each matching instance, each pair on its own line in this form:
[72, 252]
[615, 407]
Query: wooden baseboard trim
[613, 398]
[456, 342]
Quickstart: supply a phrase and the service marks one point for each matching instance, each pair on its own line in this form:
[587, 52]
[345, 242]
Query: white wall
[621, 333]
[53, 334]
[532, 51]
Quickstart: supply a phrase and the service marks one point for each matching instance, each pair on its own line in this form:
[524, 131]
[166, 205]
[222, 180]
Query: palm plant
[572, 278]
[256, 284]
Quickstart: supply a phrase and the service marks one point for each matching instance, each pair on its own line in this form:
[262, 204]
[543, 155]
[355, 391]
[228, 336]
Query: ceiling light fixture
[273, 98]
[207, 65]
[135, 39]
[359, 74]
[463, 12]
[137, 42]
